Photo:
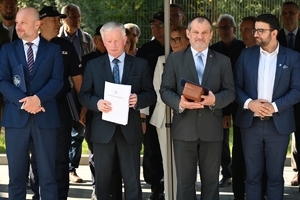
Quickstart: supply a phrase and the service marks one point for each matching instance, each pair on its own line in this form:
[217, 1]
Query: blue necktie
[116, 71]
[199, 67]
[30, 59]
[291, 41]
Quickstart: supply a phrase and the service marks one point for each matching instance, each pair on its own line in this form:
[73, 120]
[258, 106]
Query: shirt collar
[36, 41]
[287, 32]
[274, 52]
[121, 58]
[195, 52]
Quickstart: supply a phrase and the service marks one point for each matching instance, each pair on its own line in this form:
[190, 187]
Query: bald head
[28, 23]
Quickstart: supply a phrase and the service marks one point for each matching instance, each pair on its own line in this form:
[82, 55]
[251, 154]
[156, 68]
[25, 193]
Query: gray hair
[109, 26]
[134, 27]
[227, 16]
[65, 10]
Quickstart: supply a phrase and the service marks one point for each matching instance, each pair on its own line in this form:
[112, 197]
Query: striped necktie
[30, 59]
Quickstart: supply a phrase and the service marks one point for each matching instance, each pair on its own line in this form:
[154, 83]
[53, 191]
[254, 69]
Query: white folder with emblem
[118, 95]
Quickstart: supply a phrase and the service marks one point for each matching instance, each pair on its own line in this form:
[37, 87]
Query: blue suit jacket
[136, 73]
[286, 91]
[46, 80]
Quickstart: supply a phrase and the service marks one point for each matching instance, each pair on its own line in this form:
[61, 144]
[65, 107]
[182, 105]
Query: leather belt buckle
[265, 118]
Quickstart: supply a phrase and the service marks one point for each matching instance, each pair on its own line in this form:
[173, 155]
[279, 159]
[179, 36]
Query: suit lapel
[126, 69]
[297, 41]
[279, 65]
[254, 66]
[21, 55]
[208, 66]
[191, 64]
[42, 49]
[107, 69]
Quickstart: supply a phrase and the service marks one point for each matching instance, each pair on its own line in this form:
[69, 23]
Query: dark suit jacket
[205, 124]
[136, 74]
[286, 87]
[46, 80]
[15, 35]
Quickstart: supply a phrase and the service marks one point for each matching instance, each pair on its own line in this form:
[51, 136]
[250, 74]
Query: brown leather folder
[193, 92]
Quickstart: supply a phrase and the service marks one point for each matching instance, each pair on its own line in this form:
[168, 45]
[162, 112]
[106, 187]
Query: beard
[9, 17]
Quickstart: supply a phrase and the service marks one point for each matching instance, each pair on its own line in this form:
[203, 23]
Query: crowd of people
[53, 77]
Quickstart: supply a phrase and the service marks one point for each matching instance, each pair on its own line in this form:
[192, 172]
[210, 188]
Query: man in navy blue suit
[30, 115]
[267, 86]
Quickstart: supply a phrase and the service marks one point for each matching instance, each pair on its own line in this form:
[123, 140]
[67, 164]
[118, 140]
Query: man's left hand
[32, 104]
[132, 100]
[209, 99]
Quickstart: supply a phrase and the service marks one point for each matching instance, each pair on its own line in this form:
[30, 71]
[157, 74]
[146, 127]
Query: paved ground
[83, 191]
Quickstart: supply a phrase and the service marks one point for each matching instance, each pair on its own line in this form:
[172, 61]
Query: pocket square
[285, 67]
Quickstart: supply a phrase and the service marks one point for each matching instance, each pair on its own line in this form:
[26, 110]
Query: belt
[264, 118]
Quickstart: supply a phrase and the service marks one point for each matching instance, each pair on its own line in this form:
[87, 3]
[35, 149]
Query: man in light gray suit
[197, 130]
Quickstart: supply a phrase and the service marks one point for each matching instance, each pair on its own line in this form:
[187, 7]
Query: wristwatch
[143, 120]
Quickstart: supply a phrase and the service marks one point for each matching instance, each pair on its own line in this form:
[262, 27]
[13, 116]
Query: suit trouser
[262, 144]
[295, 147]
[129, 160]
[77, 136]
[187, 155]
[63, 142]
[225, 158]
[18, 141]
[116, 189]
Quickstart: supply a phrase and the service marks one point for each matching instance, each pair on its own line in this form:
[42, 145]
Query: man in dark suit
[109, 138]
[289, 36]
[197, 130]
[8, 10]
[267, 86]
[30, 115]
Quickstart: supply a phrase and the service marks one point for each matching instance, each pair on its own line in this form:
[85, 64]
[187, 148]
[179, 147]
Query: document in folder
[18, 77]
[118, 95]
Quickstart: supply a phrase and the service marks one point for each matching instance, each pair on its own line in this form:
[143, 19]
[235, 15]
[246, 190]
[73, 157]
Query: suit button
[199, 115]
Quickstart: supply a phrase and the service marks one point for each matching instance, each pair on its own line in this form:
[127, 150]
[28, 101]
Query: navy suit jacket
[46, 80]
[286, 91]
[136, 73]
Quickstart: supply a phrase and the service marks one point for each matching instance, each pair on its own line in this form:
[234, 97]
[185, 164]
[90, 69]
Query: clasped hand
[105, 106]
[208, 100]
[261, 107]
[32, 104]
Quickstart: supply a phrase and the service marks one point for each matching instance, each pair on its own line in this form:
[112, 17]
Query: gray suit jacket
[205, 124]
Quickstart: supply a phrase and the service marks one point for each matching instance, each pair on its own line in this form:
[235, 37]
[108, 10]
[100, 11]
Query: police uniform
[72, 67]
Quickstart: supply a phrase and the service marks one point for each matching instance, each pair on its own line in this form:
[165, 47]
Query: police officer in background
[50, 24]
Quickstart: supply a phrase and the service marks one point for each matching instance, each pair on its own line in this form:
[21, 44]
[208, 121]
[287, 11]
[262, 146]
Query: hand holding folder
[193, 91]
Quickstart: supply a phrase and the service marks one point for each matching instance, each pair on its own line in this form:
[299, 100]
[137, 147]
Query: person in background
[289, 36]
[110, 138]
[130, 46]
[267, 86]
[30, 114]
[177, 14]
[178, 41]
[83, 44]
[136, 32]
[226, 30]
[152, 161]
[8, 11]
[50, 24]
[197, 130]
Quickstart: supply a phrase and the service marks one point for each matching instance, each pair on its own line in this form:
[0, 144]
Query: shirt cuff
[246, 103]
[275, 107]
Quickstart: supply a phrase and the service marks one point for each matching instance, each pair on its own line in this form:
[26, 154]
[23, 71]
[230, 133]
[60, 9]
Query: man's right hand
[184, 103]
[104, 106]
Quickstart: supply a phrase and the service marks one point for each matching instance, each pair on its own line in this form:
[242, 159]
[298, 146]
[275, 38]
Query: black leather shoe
[224, 182]
[157, 196]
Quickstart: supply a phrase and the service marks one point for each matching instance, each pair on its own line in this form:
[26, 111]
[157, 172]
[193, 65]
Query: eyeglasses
[175, 40]
[260, 31]
[159, 25]
[175, 15]
[224, 28]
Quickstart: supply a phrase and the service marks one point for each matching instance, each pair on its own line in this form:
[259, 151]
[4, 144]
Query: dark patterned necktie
[116, 71]
[291, 41]
[30, 59]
